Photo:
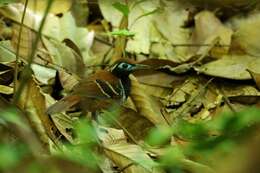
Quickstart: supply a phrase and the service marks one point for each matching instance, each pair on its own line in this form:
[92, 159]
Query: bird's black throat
[126, 82]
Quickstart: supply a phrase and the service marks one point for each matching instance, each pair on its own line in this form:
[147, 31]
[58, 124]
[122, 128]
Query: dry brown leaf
[245, 38]
[64, 56]
[207, 28]
[58, 6]
[141, 101]
[256, 77]
[110, 136]
[33, 102]
[67, 80]
[187, 99]
[14, 12]
[27, 38]
[241, 93]
[232, 66]
[62, 122]
[138, 126]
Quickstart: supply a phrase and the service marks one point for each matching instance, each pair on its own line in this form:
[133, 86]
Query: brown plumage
[100, 90]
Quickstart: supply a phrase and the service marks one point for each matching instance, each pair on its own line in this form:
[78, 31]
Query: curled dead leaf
[142, 104]
[33, 102]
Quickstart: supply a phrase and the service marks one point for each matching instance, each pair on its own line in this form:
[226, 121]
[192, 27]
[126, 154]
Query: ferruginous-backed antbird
[101, 89]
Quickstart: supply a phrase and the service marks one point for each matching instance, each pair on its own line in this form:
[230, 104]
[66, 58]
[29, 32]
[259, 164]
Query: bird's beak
[141, 67]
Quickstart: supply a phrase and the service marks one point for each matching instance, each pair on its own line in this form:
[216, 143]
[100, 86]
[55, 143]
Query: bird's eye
[124, 65]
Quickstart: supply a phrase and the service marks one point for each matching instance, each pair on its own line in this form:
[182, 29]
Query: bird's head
[123, 68]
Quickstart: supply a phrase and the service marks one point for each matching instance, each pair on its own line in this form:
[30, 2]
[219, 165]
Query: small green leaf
[159, 136]
[122, 8]
[123, 32]
[5, 2]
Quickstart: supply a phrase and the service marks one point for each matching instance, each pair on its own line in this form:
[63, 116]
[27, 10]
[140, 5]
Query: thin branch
[18, 46]
[27, 69]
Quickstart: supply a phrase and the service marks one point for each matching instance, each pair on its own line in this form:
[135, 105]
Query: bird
[100, 90]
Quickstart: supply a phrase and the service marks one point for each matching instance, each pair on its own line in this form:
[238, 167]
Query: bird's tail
[63, 104]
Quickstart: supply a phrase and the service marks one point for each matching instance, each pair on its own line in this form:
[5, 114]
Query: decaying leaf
[111, 136]
[58, 6]
[137, 125]
[142, 104]
[256, 77]
[232, 66]
[33, 102]
[245, 37]
[207, 28]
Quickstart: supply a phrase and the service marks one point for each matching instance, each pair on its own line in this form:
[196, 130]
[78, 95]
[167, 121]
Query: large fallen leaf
[33, 102]
[58, 6]
[170, 21]
[131, 157]
[207, 28]
[231, 67]
[138, 126]
[247, 34]
[110, 13]
[79, 35]
[144, 107]
[14, 12]
[142, 27]
[64, 56]
[62, 122]
[43, 74]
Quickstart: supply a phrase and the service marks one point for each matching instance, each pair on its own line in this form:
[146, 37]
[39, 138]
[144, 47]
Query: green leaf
[5, 2]
[159, 136]
[10, 155]
[122, 8]
[122, 32]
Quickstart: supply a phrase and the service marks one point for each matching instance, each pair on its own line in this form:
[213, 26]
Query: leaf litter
[204, 63]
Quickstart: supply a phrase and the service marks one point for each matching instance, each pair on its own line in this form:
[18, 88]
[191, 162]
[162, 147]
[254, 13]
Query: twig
[18, 46]
[27, 69]
[227, 101]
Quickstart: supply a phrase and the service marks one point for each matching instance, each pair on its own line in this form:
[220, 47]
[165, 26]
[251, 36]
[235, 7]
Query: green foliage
[218, 136]
[5, 2]
[172, 156]
[159, 136]
[10, 155]
[84, 151]
[12, 116]
[122, 8]
[122, 32]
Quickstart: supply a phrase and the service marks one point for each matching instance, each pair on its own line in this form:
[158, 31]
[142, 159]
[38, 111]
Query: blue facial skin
[123, 69]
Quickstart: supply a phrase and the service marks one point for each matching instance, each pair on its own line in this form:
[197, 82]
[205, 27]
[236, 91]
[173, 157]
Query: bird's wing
[101, 85]
[63, 104]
